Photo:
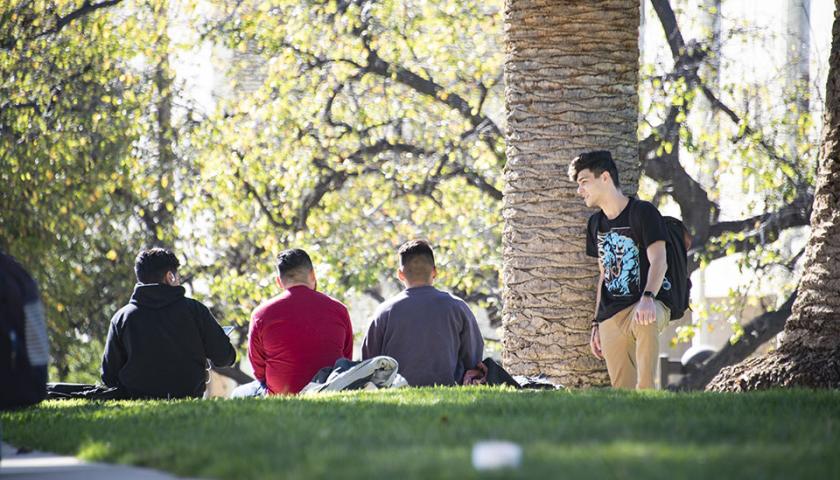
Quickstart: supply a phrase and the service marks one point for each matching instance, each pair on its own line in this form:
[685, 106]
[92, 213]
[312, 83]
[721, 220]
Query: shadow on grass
[429, 433]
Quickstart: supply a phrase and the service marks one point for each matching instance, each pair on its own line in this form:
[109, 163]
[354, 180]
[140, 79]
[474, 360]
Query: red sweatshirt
[294, 335]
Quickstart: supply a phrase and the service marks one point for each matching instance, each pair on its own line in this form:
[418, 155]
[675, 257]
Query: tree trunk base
[790, 366]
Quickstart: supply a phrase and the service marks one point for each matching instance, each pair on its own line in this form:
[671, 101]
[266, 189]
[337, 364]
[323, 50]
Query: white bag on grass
[373, 373]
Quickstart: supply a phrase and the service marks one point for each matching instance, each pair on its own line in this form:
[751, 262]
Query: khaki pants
[632, 350]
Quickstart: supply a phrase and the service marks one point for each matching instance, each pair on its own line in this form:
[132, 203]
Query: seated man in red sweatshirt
[296, 333]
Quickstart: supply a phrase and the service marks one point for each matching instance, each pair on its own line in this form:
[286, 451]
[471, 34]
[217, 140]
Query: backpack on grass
[24, 349]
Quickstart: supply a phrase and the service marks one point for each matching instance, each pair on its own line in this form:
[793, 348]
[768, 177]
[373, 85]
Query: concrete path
[47, 466]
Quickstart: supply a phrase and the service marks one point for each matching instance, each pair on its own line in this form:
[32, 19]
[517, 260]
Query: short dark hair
[597, 162]
[151, 265]
[293, 263]
[417, 259]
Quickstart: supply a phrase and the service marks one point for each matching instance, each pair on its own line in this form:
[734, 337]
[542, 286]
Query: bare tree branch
[699, 212]
[62, 21]
[791, 215]
[697, 209]
[431, 89]
[476, 180]
[758, 230]
[485, 127]
[756, 333]
[145, 211]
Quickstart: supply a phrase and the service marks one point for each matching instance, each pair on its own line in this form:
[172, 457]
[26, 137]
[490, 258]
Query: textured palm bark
[571, 75]
[810, 351]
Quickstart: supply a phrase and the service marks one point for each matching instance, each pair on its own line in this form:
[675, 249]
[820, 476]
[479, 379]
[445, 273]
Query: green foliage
[759, 157]
[73, 114]
[334, 153]
[371, 123]
[343, 152]
[429, 433]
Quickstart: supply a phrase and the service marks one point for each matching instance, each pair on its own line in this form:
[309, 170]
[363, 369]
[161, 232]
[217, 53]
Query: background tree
[374, 125]
[74, 119]
[571, 77]
[810, 352]
[370, 122]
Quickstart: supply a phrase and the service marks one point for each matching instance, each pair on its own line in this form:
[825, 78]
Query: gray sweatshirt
[432, 334]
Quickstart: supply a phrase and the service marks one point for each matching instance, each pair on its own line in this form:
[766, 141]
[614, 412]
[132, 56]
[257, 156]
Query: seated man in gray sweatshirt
[432, 334]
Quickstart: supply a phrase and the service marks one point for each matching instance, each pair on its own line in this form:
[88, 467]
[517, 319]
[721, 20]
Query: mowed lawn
[429, 433]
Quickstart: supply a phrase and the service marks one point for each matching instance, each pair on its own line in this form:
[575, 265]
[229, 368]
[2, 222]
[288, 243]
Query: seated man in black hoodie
[158, 344]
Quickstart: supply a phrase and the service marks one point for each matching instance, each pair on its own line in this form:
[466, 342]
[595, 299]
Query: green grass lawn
[429, 433]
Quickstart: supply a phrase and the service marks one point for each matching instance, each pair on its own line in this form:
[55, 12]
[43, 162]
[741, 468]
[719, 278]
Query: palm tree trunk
[571, 86]
[810, 352]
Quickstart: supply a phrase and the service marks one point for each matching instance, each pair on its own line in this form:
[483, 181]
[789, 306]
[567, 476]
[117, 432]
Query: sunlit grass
[429, 433]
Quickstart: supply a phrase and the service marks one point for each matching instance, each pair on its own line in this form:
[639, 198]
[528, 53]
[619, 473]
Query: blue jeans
[246, 390]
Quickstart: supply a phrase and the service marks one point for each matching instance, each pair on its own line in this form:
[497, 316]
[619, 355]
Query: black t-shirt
[621, 247]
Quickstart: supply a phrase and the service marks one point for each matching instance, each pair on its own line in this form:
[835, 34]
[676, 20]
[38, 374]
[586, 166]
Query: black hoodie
[159, 343]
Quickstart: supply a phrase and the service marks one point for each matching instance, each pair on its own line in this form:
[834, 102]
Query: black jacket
[159, 343]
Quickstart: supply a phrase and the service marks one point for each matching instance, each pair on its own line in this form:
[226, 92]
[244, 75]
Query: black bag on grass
[488, 372]
[496, 375]
[68, 391]
[24, 348]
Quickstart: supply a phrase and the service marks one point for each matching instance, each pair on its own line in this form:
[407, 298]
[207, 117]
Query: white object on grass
[490, 455]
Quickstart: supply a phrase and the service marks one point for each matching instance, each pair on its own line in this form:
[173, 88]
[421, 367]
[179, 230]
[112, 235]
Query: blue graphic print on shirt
[619, 256]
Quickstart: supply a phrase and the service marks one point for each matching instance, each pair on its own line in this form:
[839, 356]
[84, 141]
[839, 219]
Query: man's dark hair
[151, 265]
[597, 162]
[293, 264]
[417, 260]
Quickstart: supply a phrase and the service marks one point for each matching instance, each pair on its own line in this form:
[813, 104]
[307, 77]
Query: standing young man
[632, 301]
